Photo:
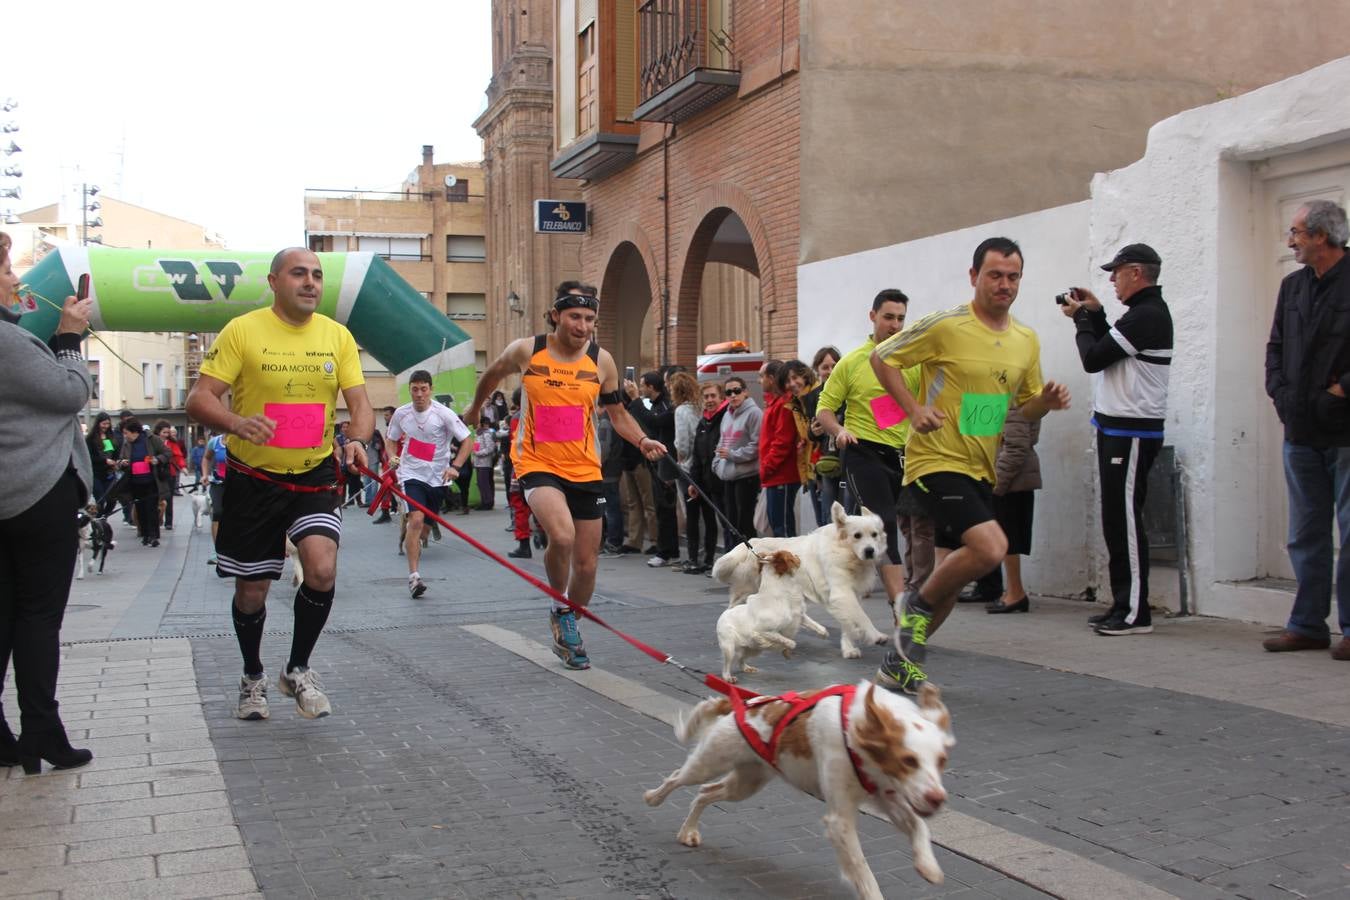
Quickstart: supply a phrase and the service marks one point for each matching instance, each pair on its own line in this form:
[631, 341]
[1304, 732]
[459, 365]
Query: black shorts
[217, 492]
[955, 503]
[585, 499]
[433, 498]
[259, 516]
[1014, 512]
[874, 472]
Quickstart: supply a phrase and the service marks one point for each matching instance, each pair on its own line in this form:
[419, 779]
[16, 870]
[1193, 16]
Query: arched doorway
[628, 328]
[721, 284]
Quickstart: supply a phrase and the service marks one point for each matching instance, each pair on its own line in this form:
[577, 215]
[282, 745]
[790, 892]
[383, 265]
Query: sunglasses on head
[732, 392]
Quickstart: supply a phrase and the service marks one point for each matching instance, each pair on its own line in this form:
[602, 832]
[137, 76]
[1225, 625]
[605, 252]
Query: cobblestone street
[462, 761]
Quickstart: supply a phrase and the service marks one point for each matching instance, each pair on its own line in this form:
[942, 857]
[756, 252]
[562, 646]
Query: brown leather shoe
[1341, 650]
[1288, 642]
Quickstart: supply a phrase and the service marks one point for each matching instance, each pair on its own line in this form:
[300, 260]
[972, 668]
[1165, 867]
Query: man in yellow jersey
[283, 366]
[972, 360]
[564, 377]
[871, 440]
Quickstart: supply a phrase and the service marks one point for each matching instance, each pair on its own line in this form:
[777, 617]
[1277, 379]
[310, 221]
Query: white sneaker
[416, 587]
[303, 684]
[658, 562]
[252, 699]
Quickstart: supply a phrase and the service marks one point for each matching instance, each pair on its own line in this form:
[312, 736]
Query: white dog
[768, 620]
[838, 565]
[201, 507]
[297, 570]
[898, 749]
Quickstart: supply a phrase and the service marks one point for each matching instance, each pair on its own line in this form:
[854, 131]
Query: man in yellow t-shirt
[283, 366]
[973, 359]
[871, 444]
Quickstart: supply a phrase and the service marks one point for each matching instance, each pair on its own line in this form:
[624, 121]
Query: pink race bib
[886, 411]
[421, 449]
[556, 424]
[299, 425]
[140, 467]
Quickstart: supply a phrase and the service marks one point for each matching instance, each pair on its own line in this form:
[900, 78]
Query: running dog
[838, 565]
[96, 539]
[886, 754]
[768, 620]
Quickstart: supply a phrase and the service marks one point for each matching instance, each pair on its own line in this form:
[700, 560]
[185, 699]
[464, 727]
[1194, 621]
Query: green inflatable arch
[201, 290]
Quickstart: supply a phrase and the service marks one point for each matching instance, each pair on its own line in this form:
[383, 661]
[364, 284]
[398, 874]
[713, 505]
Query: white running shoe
[303, 684]
[416, 587]
[252, 699]
[658, 562]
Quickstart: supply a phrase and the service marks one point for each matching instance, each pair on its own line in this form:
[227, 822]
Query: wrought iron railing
[675, 37]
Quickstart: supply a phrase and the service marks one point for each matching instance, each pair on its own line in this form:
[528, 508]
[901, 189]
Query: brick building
[720, 144]
[431, 232]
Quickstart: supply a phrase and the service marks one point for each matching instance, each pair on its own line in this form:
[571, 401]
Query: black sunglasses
[732, 392]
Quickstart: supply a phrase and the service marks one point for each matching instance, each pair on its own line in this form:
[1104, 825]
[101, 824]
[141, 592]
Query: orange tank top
[557, 416]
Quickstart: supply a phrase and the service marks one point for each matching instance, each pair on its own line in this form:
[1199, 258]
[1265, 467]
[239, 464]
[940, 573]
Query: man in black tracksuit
[1130, 362]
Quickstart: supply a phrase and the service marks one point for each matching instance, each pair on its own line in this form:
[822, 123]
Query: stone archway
[628, 311]
[726, 279]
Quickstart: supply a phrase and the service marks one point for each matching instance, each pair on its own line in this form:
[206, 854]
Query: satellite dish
[451, 181]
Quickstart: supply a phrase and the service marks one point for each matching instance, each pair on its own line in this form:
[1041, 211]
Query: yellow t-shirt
[968, 371]
[290, 374]
[871, 414]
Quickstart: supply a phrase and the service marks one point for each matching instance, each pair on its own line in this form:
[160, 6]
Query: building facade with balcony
[720, 144]
[431, 231]
[156, 368]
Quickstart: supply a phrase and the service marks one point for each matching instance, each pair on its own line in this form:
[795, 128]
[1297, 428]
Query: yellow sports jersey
[871, 414]
[290, 374]
[968, 371]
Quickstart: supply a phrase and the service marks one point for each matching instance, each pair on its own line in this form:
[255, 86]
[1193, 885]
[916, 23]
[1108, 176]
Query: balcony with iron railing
[686, 58]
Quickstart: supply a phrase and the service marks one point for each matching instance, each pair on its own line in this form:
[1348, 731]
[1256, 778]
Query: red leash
[768, 751]
[388, 485]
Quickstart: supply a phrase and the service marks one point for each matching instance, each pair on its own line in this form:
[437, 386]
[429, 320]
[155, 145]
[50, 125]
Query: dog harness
[768, 750]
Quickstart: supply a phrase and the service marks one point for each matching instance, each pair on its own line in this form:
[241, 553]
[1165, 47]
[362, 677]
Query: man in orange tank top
[565, 376]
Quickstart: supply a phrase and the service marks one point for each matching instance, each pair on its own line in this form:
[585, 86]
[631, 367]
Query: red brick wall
[742, 155]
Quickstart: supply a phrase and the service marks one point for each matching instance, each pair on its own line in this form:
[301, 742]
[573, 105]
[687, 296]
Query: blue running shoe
[567, 640]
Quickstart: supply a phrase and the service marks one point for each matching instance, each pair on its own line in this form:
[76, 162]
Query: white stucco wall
[1197, 196]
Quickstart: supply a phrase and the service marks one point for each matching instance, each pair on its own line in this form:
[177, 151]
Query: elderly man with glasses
[1130, 362]
[1308, 376]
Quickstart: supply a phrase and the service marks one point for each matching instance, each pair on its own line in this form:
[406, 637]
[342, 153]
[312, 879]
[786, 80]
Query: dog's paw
[729, 679]
[652, 797]
[850, 652]
[881, 639]
[690, 837]
[787, 653]
[749, 670]
[930, 871]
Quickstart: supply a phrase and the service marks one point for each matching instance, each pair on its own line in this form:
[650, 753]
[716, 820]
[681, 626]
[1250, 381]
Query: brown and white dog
[899, 748]
[769, 619]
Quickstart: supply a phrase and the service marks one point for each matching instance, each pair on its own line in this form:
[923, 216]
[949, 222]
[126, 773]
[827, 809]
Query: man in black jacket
[659, 423]
[1130, 362]
[1308, 377]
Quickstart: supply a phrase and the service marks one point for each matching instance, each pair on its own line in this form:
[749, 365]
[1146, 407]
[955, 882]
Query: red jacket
[778, 444]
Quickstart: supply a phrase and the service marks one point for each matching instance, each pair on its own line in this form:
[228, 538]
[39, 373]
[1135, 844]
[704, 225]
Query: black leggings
[37, 560]
[740, 496]
[147, 509]
[699, 517]
[874, 473]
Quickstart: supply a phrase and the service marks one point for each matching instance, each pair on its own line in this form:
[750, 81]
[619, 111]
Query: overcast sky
[222, 113]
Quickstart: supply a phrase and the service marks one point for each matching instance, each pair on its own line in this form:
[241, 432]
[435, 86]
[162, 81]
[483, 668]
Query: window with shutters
[465, 248]
[588, 97]
[595, 87]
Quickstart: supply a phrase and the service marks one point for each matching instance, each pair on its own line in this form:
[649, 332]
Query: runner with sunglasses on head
[565, 375]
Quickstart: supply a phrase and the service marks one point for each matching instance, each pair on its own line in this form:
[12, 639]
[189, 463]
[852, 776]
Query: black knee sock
[311, 612]
[249, 629]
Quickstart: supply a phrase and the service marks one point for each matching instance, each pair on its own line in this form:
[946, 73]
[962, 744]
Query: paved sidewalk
[462, 760]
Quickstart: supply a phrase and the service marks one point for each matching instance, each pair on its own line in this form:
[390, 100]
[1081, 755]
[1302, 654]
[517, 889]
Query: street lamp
[513, 303]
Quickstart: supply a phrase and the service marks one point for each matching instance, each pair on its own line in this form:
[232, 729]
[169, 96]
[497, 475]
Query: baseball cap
[1134, 253]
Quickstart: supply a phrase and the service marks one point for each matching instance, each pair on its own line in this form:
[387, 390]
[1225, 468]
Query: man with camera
[1129, 362]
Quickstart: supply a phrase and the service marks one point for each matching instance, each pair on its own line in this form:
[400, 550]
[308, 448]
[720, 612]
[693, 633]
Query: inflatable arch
[201, 290]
